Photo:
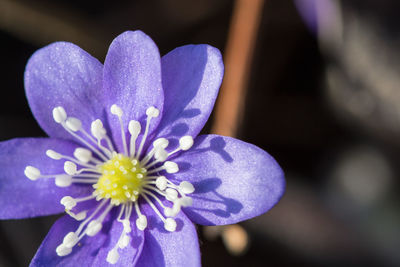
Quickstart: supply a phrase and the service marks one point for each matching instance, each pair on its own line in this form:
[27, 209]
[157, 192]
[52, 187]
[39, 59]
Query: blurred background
[313, 82]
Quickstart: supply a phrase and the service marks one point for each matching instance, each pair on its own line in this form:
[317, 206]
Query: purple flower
[124, 157]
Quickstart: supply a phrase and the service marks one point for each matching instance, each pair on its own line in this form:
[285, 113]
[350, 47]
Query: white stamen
[70, 168]
[186, 201]
[63, 250]
[158, 149]
[98, 208]
[171, 167]
[79, 217]
[53, 155]
[59, 114]
[116, 110]
[161, 183]
[171, 194]
[186, 187]
[186, 142]
[161, 142]
[161, 155]
[127, 225]
[73, 124]
[32, 173]
[63, 180]
[82, 154]
[83, 141]
[170, 224]
[113, 256]
[124, 242]
[141, 222]
[68, 202]
[152, 112]
[93, 228]
[134, 129]
[97, 129]
[70, 240]
[172, 212]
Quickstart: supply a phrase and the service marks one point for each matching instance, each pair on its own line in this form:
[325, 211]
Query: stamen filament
[84, 142]
[118, 112]
[154, 196]
[83, 181]
[80, 228]
[153, 207]
[146, 132]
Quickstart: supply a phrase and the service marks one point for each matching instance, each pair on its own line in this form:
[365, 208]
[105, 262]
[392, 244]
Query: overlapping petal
[191, 77]
[21, 197]
[91, 251]
[62, 74]
[234, 180]
[163, 248]
[132, 79]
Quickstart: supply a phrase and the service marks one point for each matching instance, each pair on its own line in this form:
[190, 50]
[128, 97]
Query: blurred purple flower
[121, 158]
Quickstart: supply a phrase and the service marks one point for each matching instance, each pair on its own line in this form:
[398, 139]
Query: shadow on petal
[214, 202]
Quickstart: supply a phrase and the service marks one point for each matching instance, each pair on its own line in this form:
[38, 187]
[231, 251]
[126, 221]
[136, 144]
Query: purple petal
[191, 77]
[233, 180]
[21, 197]
[62, 74]
[90, 251]
[163, 248]
[132, 78]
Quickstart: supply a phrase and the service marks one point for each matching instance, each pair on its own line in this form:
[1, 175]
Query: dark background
[325, 103]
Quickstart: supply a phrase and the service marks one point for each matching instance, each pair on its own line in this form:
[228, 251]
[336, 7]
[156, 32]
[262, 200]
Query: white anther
[124, 242]
[63, 180]
[70, 167]
[70, 240]
[171, 167]
[127, 225]
[68, 202]
[186, 201]
[168, 212]
[73, 124]
[80, 216]
[161, 154]
[116, 110]
[82, 154]
[32, 173]
[186, 142]
[141, 222]
[172, 194]
[186, 187]
[170, 225]
[161, 183]
[113, 256]
[53, 155]
[97, 129]
[93, 228]
[134, 128]
[59, 114]
[63, 250]
[152, 112]
[172, 212]
[161, 142]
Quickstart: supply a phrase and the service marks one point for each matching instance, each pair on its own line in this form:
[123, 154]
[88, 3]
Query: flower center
[121, 180]
[118, 179]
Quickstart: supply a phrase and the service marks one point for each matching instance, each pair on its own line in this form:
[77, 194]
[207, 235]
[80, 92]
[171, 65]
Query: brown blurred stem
[238, 56]
[230, 104]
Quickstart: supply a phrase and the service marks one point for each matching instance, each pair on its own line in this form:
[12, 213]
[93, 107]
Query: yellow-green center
[121, 180]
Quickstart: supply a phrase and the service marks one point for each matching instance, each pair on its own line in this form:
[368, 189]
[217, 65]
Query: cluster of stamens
[118, 179]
